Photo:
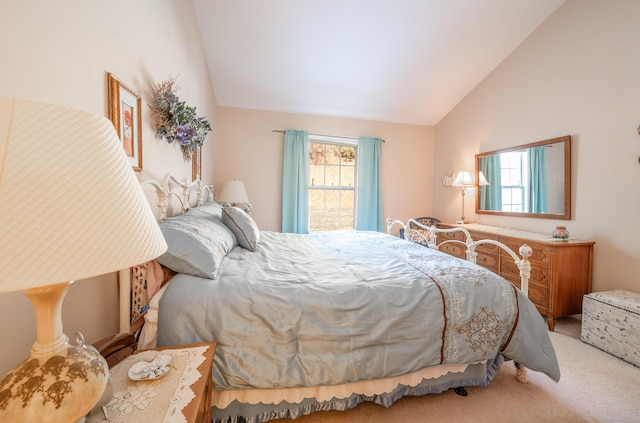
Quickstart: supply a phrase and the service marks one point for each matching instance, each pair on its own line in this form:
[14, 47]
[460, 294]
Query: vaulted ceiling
[405, 61]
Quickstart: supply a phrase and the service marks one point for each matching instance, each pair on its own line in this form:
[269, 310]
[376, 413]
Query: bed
[328, 320]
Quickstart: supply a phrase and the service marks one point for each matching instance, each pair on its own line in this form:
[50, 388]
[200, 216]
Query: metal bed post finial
[525, 268]
[199, 191]
[162, 197]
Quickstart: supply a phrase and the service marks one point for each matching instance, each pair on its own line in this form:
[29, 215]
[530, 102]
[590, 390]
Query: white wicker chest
[611, 322]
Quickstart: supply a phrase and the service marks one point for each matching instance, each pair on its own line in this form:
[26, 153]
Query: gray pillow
[197, 244]
[242, 226]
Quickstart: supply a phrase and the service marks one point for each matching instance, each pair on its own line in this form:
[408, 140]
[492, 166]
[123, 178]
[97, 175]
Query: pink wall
[247, 149]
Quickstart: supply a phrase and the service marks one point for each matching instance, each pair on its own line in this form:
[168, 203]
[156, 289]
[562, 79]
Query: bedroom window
[512, 174]
[332, 184]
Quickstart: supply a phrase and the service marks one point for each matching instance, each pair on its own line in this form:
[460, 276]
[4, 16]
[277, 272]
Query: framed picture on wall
[125, 111]
[196, 164]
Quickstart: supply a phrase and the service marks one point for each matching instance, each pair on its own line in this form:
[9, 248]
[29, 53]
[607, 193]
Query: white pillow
[242, 226]
[210, 208]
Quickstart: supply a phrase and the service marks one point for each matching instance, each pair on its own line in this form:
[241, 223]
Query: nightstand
[182, 394]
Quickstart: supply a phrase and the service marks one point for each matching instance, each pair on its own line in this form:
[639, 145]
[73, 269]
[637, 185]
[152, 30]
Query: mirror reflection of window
[512, 171]
[523, 181]
[530, 179]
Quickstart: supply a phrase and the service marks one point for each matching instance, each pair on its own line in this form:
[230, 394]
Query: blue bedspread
[337, 307]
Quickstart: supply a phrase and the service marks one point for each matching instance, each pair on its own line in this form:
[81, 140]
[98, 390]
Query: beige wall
[576, 75]
[248, 150]
[59, 52]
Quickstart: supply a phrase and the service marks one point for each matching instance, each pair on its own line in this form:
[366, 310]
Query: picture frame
[196, 164]
[125, 112]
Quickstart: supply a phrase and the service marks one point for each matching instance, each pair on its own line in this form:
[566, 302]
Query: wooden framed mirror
[530, 180]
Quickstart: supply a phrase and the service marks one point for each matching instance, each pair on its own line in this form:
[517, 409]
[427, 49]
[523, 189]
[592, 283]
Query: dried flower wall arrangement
[175, 121]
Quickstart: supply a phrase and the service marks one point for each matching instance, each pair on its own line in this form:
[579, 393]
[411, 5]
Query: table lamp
[71, 208]
[234, 193]
[465, 181]
[482, 181]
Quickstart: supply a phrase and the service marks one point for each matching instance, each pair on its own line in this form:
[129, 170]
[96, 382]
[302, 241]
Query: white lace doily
[159, 400]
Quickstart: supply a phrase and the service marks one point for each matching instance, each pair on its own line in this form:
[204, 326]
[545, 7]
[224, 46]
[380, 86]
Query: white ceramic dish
[150, 370]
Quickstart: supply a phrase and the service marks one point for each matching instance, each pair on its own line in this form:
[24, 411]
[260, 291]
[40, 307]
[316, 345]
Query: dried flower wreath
[175, 120]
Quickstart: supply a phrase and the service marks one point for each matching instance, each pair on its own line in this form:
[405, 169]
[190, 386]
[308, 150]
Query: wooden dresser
[561, 271]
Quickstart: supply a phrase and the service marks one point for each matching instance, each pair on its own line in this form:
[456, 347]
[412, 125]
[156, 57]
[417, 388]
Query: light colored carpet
[594, 387]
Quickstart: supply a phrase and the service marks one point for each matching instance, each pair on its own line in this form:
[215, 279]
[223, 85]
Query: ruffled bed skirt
[238, 412]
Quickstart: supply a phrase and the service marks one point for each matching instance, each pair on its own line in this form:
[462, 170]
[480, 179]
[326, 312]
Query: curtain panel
[369, 215]
[491, 199]
[295, 182]
[538, 179]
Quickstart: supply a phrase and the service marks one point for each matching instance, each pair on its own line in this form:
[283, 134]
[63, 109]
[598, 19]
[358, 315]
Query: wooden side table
[182, 394]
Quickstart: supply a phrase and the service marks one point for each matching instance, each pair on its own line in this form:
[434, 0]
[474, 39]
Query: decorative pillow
[210, 208]
[242, 226]
[419, 236]
[146, 280]
[139, 295]
[197, 244]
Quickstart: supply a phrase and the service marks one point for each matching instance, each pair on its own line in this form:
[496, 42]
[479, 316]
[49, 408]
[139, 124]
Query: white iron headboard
[166, 190]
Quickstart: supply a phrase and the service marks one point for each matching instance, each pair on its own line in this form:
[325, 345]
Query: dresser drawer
[489, 248]
[541, 253]
[459, 236]
[538, 294]
[488, 261]
[539, 274]
[454, 249]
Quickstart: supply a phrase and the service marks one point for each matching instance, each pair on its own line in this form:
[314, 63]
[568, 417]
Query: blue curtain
[369, 216]
[295, 182]
[491, 195]
[538, 180]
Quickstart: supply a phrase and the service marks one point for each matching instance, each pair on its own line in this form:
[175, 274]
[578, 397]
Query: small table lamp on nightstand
[235, 194]
[71, 208]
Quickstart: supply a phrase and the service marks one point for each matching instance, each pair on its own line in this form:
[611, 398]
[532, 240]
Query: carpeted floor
[594, 387]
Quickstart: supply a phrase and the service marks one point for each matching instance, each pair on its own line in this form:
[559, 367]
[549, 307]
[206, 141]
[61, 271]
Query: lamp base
[59, 382]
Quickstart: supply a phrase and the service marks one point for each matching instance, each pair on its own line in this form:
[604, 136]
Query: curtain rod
[322, 135]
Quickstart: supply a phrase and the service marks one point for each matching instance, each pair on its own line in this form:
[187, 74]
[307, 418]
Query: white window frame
[340, 141]
[521, 188]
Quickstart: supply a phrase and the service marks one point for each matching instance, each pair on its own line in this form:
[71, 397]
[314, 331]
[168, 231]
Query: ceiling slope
[404, 61]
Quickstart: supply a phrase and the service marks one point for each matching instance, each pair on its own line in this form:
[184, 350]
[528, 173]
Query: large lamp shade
[71, 208]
